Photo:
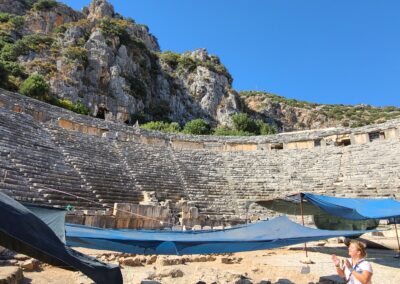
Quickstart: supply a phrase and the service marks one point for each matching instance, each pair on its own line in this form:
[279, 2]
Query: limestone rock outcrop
[115, 67]
[18, 7]
[99, 9]
[44, 21]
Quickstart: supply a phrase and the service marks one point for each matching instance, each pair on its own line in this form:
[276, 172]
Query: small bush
[265, 128]
[187, 64]
[74, 53]
[77, 107]
[14, 68]
[171, 58]
[16, 21]
[61, 29]
[226, 131]
[116, 27]
[242, 122]
[35, 86]
[162, 126]
[34, 42]
[197, 127]
[42, 5]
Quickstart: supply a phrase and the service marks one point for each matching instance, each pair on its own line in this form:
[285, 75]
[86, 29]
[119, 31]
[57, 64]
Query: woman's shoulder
[366, 265]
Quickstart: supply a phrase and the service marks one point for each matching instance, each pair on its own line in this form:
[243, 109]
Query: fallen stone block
[131, 261]
[174, 273]
[30, 265]
[21, 257]
[166, 261]
[152, 259]
[231, 260]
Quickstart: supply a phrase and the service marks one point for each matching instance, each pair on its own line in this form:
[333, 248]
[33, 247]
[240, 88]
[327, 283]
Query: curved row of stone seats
[206, 181]
[219, 180]
[153, 169]
[13, 183]
[98, 163]
[39, 162]
[363, 170]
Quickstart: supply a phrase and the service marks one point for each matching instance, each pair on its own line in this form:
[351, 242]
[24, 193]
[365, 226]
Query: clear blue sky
[324, 51]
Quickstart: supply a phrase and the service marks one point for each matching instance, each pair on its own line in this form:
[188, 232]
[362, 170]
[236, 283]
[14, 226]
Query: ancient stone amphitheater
[51, 156]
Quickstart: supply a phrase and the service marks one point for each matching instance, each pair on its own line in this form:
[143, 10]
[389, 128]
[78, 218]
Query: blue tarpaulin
[52, 217]
[356, 208]
[22, 231]
[274, 233]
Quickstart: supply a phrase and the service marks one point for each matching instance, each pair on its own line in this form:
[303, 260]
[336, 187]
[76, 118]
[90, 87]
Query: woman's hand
[339, 270]
[348, 264]
[335, 260]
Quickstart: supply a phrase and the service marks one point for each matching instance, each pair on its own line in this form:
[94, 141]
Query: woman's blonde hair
[360, 247]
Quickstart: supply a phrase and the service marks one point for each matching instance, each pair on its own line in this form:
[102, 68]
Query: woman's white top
[360, 266]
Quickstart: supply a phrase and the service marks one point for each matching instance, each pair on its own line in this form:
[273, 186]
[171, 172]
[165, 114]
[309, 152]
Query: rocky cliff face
[14, 7]
[114, 66]
[290, 114]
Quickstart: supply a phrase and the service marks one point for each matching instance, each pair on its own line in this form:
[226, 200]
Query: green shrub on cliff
[34, 42]
[116, 27]
[162, 126]
[171, 58]
[242, 122]
[35, 86]
[77, 107]
[11, 21]
[226, 131]
[197, 127]
[74, 53]
[44, 5]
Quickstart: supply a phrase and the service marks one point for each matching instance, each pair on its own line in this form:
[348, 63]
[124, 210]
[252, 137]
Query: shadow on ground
[380, 256]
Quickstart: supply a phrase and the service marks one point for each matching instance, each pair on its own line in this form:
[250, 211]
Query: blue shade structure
[356, 208]
[52, 217]
[278, 232]
[22, 231]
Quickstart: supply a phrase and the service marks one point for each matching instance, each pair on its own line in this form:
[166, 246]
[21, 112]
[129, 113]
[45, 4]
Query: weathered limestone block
[11, 275]
[74, 219]
[123, 210]
[30, 265]
[122, 223]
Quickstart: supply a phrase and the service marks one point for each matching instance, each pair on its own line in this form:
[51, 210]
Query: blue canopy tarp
[22, 231]
[356, 208]
[52, 217]
[274, 233]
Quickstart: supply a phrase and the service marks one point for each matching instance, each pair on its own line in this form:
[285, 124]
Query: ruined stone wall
[50, 155]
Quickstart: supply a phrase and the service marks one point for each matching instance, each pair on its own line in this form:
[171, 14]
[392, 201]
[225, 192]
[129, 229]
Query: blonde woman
[356, 270]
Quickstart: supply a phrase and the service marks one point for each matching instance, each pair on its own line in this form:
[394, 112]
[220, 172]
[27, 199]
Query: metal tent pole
[302, 220]
[397, 237]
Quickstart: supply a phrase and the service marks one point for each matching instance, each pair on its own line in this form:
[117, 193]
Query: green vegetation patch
[172, 127]
[36, 87]
[185, 63]
[76, 53]
[43, 5]
[116, 27]
[77, 107]
[34, 42]
[197, 127]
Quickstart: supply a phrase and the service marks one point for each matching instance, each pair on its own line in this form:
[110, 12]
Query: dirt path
[277, 266]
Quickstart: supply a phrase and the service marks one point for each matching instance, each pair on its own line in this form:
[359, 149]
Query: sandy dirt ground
[278, 266]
